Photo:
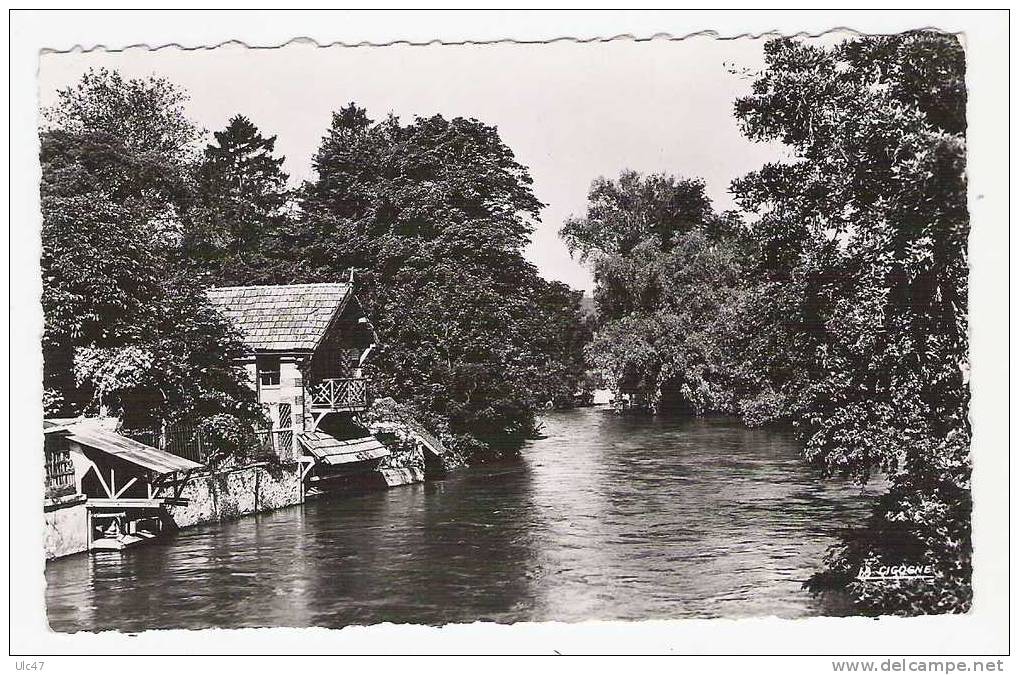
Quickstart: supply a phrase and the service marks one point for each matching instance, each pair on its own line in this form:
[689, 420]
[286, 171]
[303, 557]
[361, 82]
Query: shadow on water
[607, 517]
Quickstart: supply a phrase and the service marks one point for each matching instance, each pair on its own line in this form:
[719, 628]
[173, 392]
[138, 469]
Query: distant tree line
[433, 215]
[834, 299]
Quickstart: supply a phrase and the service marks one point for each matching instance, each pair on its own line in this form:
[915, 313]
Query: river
[607, 517]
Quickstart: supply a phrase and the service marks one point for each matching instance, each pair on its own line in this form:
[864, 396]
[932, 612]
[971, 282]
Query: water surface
[608, 517]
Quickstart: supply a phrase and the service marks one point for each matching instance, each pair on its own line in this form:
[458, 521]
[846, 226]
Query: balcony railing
[339, 394]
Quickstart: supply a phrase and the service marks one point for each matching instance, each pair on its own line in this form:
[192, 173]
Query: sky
[571, 112]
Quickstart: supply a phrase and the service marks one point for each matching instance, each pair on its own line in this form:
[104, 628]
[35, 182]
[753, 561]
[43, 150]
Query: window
[268, 371]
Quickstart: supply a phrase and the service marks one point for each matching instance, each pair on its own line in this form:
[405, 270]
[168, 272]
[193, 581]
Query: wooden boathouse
[105, 490]
[308, 344]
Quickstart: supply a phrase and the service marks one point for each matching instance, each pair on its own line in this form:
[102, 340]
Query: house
[308, 344]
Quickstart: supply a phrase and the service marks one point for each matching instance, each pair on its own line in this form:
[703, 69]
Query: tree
[434, 215]
[127, 327]
[181, 368]
[664, 264]
[837, 300]
[384, 190]
[129, 138]
[114, 186]
[630, 222]
[552, 316]
[867, 230]
[243, 228]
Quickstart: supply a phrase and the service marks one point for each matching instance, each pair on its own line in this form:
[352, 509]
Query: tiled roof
[281, 318]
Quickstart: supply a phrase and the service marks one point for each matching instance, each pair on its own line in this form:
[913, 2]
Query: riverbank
[607, 517]
[212, 495]
[230, 493]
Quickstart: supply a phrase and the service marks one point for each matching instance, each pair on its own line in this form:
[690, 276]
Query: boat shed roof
[128, 449]
[286, 318]
[54, 424]
[331, 450]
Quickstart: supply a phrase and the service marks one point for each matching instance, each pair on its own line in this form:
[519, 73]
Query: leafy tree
[629, 223]
[123, 313]
[128, 138]
[867, 228]
[385, 190]
[434, 215]
[110, 204]
[664, 264]
[243, 226]
[551, 314]
[836, 301]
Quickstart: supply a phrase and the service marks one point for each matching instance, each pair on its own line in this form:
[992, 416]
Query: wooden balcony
[338, 395]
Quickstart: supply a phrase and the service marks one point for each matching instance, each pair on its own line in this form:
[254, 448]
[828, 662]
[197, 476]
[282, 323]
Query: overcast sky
[570, 112]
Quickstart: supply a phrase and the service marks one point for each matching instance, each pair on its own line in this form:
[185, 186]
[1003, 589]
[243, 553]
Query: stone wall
[65, 528]
[236, 492]
[405, 465]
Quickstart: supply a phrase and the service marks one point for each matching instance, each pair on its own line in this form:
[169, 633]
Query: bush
[226, 435]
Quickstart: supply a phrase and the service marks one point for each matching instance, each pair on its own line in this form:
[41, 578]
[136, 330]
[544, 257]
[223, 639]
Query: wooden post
[125, 487]
[94, 469]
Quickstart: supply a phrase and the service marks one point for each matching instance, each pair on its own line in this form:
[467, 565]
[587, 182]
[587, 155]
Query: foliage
[837, 301]
[123, 313]
[112, 370]
[630, 222]
[127, 140]
[182, 369]
[434, 215]
[923, 520]
[242, 226]
[871, 219]
[665, 264]
[145, 114]
[227, 436]
[388, 411]
[52, 402]
[551, 314]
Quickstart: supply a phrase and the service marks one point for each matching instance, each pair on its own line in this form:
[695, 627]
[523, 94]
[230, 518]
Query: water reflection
[606, 518]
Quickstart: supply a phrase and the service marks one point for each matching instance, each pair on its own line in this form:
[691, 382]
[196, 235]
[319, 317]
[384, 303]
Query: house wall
[229, 494]
[292, 392]
[65, 527]
[289, 391]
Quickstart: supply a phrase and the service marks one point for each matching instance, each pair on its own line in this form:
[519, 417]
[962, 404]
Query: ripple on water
[606, 518]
